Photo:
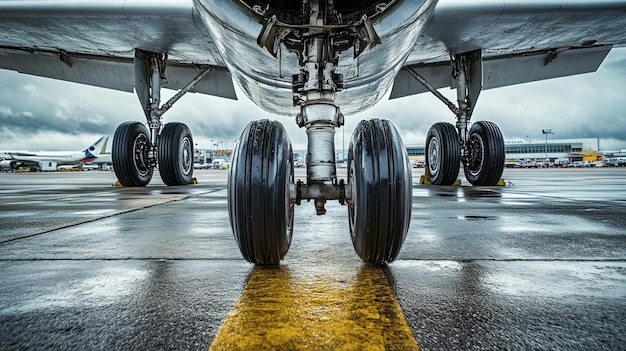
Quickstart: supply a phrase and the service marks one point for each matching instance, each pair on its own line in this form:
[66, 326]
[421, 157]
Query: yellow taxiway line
[316, 309]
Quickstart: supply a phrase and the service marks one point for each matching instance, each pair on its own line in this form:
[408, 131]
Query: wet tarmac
[538, 264]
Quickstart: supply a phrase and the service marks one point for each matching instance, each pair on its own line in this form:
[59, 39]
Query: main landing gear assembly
[480, 148]
[136, 149]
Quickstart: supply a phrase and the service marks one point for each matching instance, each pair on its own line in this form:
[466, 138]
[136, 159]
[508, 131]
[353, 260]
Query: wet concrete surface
[539, 264]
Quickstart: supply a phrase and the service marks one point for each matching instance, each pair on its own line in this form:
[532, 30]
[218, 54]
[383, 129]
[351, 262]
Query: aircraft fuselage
[267, 80]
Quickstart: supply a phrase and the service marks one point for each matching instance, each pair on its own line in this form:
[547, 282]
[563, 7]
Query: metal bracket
[320, 193]
[317, 46]
[166, 106]
[65, 58]
[451, 105]
[360, 36]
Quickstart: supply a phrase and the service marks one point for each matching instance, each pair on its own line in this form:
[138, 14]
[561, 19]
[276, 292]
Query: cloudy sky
[44, 114]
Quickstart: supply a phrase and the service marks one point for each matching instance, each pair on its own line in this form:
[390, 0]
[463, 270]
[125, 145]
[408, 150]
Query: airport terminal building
[557, 151]
[518, 152]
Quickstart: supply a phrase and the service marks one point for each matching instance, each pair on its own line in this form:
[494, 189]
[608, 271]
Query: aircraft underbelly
[267, 80]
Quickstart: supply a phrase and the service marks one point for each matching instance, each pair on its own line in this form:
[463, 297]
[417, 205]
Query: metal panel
[438, 75]
[112, 73]
[142, 80]
[503, 71]
[499, 71]
[112, 28]
[502, 27]
[217, 83]
[93, 42]
[98, 71]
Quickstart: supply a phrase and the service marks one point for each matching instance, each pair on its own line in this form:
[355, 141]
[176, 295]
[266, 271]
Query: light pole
[546, 132]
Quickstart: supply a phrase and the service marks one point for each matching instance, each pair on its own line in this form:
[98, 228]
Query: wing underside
[504, 70]
[94, 42]
[520, 41]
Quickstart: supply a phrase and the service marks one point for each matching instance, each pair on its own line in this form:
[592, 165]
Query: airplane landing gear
[133, 160]
[137, 149]
[261, 190]
[481, 148]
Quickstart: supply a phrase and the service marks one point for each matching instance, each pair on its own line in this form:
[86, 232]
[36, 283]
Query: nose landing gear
[261, 191]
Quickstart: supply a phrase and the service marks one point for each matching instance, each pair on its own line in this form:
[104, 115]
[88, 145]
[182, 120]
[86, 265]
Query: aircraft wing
[520, 41]
[94, 42]
[14, 160]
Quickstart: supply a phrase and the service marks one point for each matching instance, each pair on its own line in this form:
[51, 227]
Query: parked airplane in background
[317, 60]
[50, 160]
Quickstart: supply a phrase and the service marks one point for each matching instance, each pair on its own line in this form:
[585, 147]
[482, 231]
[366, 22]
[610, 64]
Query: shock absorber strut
[317, 46]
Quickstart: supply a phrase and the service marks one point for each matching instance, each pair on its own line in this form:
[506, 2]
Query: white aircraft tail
[97, 148]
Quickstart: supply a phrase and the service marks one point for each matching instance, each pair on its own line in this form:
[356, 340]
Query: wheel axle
[320, 192]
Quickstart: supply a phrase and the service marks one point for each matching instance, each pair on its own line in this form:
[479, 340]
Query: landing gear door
[142, 83]
[475, 76]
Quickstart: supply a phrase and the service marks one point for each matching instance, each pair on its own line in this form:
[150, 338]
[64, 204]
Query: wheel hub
[433, 156]
[141, 149]
[186, 156]
[476, 154]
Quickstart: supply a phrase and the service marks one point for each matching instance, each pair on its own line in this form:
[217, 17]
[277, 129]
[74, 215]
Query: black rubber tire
[175, 154]
[129, 154]
[380, 181]
[442, 154]
[259, 206]
[487, 157]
